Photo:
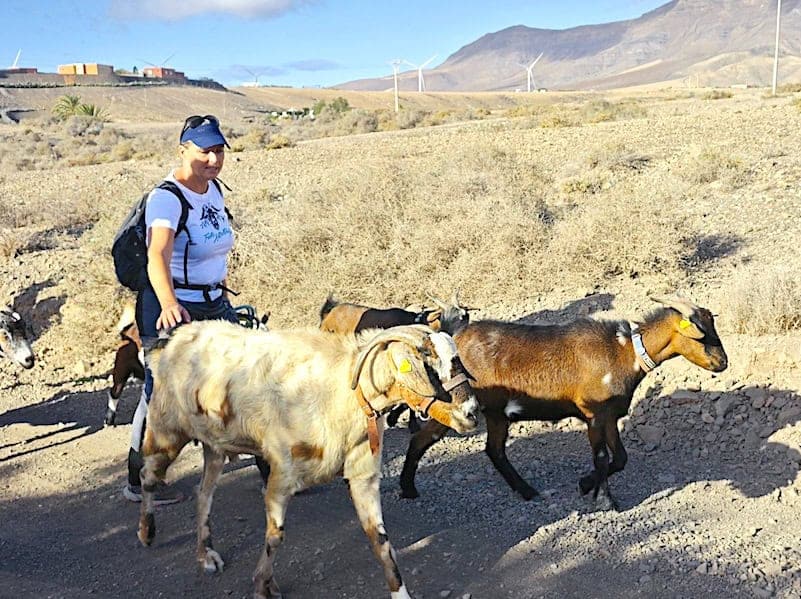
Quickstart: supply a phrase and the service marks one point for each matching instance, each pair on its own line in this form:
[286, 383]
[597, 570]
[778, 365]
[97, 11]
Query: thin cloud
[174, 10]
[315, 64]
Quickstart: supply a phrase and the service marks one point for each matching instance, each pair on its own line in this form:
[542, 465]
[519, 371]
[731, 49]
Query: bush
[279, 141]
[763, 301]
[718, 94]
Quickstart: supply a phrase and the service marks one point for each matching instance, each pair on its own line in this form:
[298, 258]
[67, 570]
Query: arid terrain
[540, 211]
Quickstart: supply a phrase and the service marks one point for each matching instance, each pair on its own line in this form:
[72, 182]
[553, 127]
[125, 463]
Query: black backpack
[129, 249]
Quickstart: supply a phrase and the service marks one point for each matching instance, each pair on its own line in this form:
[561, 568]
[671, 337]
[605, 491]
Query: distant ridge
[706, 42]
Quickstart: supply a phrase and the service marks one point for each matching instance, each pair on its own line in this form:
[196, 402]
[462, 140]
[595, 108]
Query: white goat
[305, 400]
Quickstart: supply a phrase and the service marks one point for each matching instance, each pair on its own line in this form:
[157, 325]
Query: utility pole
[395, 66]
[776, 54]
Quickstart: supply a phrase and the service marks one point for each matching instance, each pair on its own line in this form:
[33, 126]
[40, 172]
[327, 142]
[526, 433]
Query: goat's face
[442, 377]
[696, 339]
[449, 317]
[14, 339]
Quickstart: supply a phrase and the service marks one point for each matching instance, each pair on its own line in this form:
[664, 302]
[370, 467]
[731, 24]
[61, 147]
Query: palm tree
[66, 106]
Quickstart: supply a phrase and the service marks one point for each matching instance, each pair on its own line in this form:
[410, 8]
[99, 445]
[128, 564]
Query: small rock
[651, 434]
[445, 593]
[702, 568]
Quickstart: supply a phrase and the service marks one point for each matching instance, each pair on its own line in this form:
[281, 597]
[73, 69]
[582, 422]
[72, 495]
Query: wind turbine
[421, 84]
[162, 64]
[16, 60]
[395, 66]
[254, 75]
[776, 54]
[529, 69]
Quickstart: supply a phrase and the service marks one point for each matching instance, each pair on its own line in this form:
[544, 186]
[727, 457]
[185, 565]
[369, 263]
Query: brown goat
[336, 317]
[127, 362]
[586, 369]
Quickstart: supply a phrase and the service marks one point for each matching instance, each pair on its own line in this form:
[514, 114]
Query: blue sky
[282, 42]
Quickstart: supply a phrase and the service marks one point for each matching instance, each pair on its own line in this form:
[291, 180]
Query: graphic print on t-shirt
[211, 218]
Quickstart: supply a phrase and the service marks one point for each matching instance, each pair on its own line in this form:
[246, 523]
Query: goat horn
[681, 304]
[403, 334]
[455, 298]
[439, 303]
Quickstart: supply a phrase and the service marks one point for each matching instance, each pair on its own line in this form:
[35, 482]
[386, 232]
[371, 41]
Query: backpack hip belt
[206, 289]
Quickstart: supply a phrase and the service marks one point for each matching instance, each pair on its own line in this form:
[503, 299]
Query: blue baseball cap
[203, 131]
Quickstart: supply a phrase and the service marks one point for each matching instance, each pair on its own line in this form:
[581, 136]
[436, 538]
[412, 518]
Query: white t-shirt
[209, 229]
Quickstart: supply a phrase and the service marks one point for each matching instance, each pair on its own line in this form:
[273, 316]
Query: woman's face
[205, 163]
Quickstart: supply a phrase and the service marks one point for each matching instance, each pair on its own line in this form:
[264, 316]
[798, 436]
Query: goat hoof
[605, 503]
[410, 493]
[212, 562]
[586, 484]
[528, 493]
[271, 592]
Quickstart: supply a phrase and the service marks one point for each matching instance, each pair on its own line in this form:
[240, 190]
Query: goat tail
[127, 318]
[330, 304]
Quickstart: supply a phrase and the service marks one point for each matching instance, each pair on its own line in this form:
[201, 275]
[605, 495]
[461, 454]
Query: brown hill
[705, 42]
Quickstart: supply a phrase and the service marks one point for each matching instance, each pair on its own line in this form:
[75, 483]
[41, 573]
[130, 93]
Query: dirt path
[700, 514]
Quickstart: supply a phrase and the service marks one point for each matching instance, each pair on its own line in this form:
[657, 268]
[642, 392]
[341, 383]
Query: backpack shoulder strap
[185, 205]
[218, 183]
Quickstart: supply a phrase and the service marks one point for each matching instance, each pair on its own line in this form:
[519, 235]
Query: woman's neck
[191, 181]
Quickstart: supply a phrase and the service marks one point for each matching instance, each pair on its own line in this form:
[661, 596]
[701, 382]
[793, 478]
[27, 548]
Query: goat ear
[433, 317]
[687, 328]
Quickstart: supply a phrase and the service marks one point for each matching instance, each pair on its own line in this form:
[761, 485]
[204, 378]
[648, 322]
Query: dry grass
[503, 209]
[763, 301]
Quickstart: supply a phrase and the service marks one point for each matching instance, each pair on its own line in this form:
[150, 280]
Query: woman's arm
[159, 254]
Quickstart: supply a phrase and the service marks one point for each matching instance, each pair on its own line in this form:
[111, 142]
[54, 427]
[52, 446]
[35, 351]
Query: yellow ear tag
[684, 324]
[405, 366]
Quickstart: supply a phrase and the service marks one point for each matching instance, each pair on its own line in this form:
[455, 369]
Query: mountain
[711, 42]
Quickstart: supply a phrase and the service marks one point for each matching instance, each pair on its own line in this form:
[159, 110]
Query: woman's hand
[171, 316]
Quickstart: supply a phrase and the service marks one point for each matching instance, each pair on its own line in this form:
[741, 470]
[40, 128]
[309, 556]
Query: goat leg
[432, 432]
[212, 468]
[394, 414]
[276, 498]
[111, 406]
[367, 501]
[619, 455]
[598, 480]
[157, 459]
[497, 434]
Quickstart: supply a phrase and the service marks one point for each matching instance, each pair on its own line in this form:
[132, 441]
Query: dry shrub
[707, 165]
[409, 118]
[718, 94]
[254, 139]
[387, 232]
[763, 300]
[606, 237]
[279, 141]
[11, 242]
[797, 103]
[555, 121]
[603, 110]
[789, 88]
